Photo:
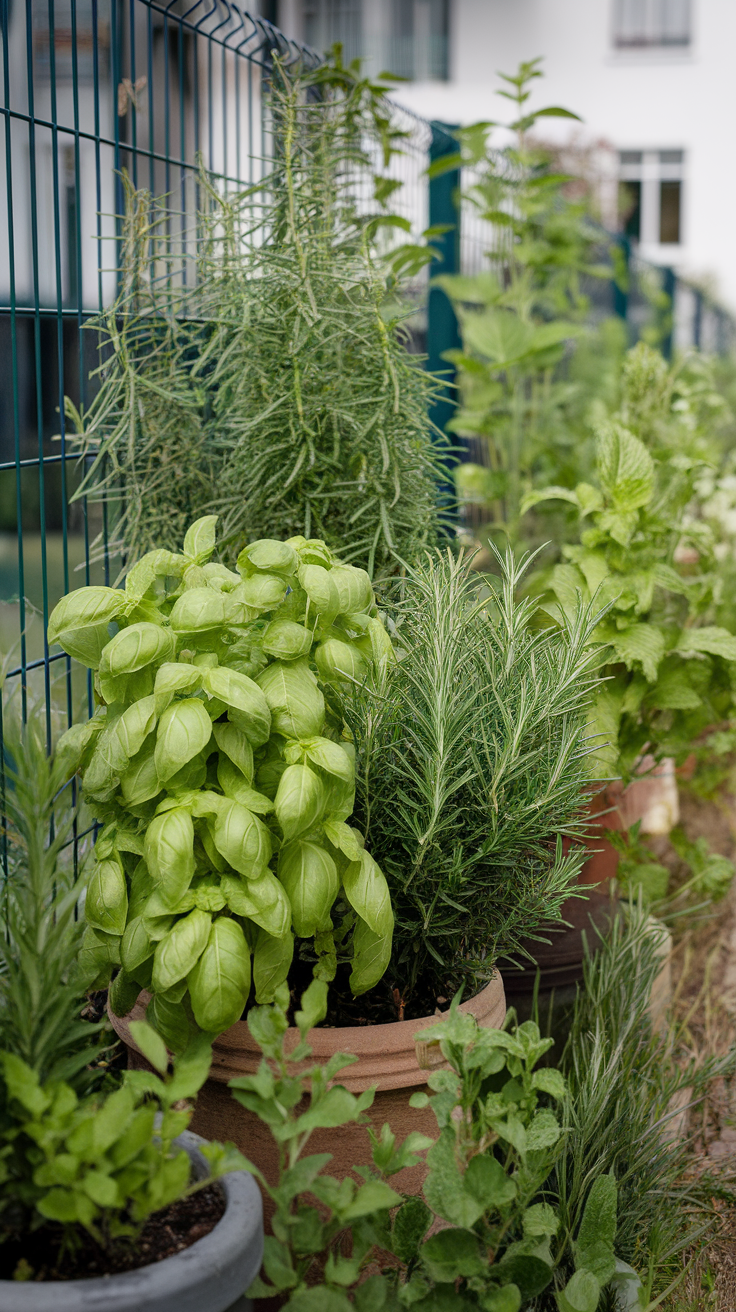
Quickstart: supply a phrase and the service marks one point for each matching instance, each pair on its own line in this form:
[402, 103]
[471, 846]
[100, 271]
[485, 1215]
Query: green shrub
[102, 1164]
[483, 1234]
[470, 771]
[217, 769]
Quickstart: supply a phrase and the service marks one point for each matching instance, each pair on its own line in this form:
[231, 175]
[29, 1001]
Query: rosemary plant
[41, 999]
[470, 771]
[144, 427]
[269, 379]
[319, 409]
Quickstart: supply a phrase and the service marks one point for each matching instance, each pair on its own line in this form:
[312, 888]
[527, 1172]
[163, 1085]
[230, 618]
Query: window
[639, 24]
[650, 196]
[408, 37]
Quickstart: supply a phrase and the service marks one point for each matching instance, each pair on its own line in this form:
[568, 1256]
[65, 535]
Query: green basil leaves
[222, 783]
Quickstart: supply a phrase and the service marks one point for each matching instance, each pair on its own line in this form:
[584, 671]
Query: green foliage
[708, 875]
[517, 321]
[104, 1164]
[273, 382]
[41, 998]
[482, 1234]
[470, 769]
[220, 776]
[626, 1089]
[671, 670]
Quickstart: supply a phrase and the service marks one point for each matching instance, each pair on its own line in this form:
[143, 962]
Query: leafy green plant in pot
[213, 757]
[471, 774]
[95, 1189]
[642, 552]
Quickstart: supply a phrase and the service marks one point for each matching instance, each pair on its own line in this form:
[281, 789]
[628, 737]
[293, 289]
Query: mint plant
[219, 774]
[670, 671]
[486, 1233]
[101, 1163]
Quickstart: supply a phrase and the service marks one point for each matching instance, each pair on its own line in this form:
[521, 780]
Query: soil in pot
[388, 1059]
[42, 1255]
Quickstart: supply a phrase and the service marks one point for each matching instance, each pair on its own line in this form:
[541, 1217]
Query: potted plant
[289, 693]
[81, 1178]
[105, 1197]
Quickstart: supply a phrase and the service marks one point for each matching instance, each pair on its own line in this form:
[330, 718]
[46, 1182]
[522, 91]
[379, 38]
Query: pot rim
[215, 1269]
[387, 1053]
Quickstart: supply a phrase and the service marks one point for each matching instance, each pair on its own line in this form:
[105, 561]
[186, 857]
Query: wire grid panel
[92, 88]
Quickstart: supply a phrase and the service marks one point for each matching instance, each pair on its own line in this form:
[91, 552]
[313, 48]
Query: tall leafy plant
[642, 552]
[470, 771]
[319, 409]
[218, 773]
[267, 375]
[516, 318]
[41, 994]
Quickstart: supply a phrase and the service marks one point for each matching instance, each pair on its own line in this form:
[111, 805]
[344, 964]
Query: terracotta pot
[387, 1056]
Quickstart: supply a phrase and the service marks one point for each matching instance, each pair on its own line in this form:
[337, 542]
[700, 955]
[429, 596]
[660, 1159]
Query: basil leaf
[349, 841]
[141, 887]
[98, 954]
[219, 984]
[371, 955]
[367, 892]
[174, 677]
[199, 540]
[339, 798]
[134, 726]
[198, 610]
[234, 786]
[295, 699]
[74, 748]
[184, 730]
[242, 839]
[79, 622]
[262, 900]
[339, 661]
[272, 959]
[354, 588]
[331, 757]
[263, 591]
[169, 1019]
[321, 591]
[268, 554]
[140, 782]
[300, 800]
[310, 878]
[179, 951]
[233, 742]
[135, 647]
[243, 695]
[286, 640]
[122, 994]
[169, 853]
[136, 945]
[106, 904]
[152, 569]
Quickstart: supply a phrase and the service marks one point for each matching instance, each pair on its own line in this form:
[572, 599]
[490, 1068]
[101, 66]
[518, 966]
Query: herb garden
[368, 907]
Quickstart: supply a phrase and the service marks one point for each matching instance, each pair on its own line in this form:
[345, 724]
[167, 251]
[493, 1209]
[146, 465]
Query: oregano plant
[220, 776]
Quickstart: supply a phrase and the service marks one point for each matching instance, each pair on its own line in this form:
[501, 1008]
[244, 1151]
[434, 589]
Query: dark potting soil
[40, 1255]
[381, 1005]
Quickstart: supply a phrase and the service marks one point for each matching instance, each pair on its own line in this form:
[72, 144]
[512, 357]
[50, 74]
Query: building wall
[648, 99]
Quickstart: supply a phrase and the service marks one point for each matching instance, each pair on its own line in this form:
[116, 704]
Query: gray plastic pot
[209, 1276]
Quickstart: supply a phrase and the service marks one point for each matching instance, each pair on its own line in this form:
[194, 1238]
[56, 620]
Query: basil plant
[221, 777]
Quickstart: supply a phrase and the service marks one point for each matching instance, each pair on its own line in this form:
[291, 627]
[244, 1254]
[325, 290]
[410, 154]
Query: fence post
[620, 281]
[442, 329]
[669, 287]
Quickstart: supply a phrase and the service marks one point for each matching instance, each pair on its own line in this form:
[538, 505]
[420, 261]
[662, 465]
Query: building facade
[652, 79]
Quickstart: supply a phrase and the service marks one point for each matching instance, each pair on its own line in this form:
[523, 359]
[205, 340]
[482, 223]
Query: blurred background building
[652, 80]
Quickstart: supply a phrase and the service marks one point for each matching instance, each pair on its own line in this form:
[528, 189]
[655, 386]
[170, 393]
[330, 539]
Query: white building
[653, 78]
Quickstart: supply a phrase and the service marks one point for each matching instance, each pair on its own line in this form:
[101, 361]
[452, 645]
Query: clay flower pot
[388, 1058]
